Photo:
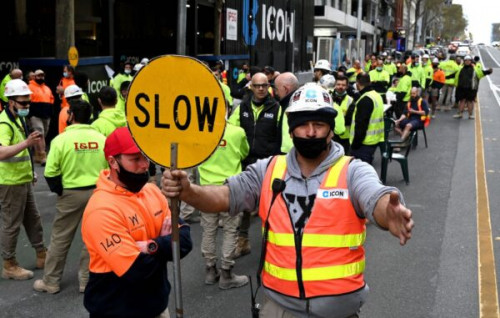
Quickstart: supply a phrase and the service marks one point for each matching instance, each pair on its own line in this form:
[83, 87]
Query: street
[437, 274]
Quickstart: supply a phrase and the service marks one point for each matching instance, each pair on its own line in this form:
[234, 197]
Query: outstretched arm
[390, 214]
[205, 198]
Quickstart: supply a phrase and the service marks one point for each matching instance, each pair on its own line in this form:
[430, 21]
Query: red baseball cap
[120, 142]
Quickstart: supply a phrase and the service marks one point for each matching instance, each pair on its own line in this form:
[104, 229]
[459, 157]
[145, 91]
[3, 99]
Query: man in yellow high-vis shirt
[75, 160]
[110, 117]
[16, 181]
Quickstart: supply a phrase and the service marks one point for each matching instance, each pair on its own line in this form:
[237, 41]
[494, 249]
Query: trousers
[210, 223]
[69, 211]
[19, 208]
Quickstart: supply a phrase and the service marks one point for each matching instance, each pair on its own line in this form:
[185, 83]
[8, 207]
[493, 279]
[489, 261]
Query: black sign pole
[175, 239]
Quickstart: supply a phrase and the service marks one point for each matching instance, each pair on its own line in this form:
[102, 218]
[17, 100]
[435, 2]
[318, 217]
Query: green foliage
[454, 22]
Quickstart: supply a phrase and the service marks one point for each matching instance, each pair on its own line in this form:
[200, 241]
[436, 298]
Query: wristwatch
[152, 247]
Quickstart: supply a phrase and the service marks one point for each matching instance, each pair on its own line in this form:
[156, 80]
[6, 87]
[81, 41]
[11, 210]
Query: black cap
[326, 115]
[268, 70]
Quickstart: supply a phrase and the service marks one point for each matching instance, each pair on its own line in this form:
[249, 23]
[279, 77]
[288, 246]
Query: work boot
[12, 270]
[40, 258]
[230, 280]
[212, 275]
[242, 247]
[458, 115]
[41, 286]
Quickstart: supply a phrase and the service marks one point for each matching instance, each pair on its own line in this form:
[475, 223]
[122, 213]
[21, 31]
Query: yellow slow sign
[176, 99]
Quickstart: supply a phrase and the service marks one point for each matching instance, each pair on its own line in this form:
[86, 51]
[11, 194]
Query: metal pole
[181, 27]
[358, 32]
[176, 256]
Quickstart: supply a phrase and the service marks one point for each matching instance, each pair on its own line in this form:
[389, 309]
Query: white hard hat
[327, 81]
[16, 87]
[144, 61]
[435, 60]
[138, 66]
[425, 56]
[467, 57]
[384, 54]
[322, 65]
[72, 91]
[310, 102]
[309, 97]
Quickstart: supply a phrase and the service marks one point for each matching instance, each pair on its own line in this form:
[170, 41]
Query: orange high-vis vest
[439, 76]
[329, 258]
[425, 118]
[40, 93]
[65, 82]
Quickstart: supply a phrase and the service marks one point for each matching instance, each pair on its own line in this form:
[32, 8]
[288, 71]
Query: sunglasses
[24, 104]
[260, 85]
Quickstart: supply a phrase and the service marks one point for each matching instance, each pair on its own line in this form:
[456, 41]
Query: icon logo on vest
[245, 114]
[333, 194]
[269, 115]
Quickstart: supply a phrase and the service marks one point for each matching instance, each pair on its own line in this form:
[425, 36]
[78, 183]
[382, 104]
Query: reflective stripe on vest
[318, 240]
[319, 273]
[16, 159]
[331, 250]
[375, 131]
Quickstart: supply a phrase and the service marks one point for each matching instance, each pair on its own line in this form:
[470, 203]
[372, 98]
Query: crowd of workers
[298, 156]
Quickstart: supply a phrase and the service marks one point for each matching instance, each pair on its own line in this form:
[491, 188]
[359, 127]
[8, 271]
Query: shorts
[40, 124]
[467, 94]
[415, 123]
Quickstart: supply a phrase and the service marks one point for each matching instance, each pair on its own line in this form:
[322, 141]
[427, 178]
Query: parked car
[463, 50]
[495, 43]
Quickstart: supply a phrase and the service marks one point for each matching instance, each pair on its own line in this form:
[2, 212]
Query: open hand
[399, 221]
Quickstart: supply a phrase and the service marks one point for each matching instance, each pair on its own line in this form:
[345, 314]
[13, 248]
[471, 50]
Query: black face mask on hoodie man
[132, 181]
[310, 148]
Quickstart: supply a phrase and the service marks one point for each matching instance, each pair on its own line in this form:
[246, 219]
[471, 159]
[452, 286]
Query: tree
[422, 7]
[454, 22]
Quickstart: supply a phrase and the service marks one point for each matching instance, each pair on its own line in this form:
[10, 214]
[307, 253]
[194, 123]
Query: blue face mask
[65, 74]
[128, 71]
[23, 112]
[379, 68]
[416, 63]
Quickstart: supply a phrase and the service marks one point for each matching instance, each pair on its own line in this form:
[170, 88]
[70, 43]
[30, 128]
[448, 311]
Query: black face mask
[132, 181]
[310, 148]
[39, 81]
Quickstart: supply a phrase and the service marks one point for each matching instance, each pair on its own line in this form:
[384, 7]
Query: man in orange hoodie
[42, 102]
[126, 228]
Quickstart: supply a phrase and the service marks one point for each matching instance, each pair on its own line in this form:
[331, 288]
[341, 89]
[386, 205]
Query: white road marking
[493, 88]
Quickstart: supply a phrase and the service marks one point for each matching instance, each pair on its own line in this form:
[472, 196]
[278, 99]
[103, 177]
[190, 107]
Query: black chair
[402, 157]
[415, 142]
[389, 124]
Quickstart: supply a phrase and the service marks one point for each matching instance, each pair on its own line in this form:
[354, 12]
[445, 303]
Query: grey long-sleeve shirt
[365, 189]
